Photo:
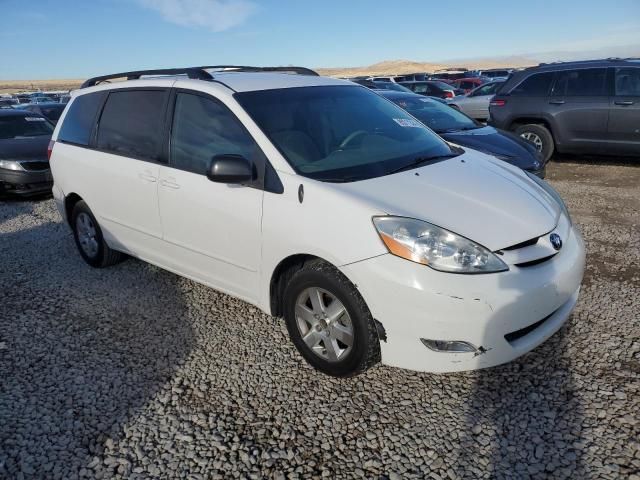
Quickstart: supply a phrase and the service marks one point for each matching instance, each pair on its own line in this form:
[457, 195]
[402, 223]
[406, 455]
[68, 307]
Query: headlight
[436, 247]
[10, 165]
[551, 191]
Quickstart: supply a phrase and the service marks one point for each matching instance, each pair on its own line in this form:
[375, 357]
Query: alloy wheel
[324, 324]
[87, 234]
[533, 138]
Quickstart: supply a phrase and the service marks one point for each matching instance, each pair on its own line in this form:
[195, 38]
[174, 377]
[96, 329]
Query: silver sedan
[476, 103]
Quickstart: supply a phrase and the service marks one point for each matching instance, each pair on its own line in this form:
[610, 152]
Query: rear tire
[540, 137]
[339, 337]
[89, 240]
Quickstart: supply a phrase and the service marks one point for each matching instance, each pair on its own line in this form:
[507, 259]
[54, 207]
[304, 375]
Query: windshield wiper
[416, 162]
[458, 129]
[338, 180]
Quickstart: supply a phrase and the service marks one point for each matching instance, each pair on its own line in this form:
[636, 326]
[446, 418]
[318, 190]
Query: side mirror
[229, 168]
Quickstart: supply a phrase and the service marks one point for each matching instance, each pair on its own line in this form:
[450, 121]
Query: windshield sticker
[408, 122]
[34, 119]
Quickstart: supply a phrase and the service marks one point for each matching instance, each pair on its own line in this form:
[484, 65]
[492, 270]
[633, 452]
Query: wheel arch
[70, 201]
[280, 276]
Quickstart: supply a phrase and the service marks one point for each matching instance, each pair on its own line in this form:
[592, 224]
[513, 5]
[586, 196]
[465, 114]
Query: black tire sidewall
[359, 319]
[81, 207]
[548, 145]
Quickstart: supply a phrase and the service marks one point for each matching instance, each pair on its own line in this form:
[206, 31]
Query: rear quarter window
[536, 85]
[78, 123]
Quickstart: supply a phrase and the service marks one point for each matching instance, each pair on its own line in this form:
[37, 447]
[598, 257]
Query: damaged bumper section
[442, 322]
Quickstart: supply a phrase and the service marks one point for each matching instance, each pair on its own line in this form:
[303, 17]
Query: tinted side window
[79, 121]
[203, 128]
[628, 82]
[537, 85]
[132, 123]
[584, 82]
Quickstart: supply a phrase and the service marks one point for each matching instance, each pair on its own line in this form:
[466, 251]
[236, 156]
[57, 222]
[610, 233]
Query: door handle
[148, 177]
[556, 102]
[623, 102]
[169, 184]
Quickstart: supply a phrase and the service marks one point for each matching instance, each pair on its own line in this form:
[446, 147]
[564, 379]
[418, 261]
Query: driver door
[211, 230]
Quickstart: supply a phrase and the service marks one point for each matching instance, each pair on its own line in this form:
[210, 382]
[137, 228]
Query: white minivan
[319, 201]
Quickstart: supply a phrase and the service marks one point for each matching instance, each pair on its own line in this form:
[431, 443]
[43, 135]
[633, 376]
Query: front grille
[537, 261]
[35, 165]
[526, 243]
[513, 336]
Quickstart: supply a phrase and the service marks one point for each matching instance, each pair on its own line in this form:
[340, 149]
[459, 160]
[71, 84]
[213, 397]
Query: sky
[47, 39]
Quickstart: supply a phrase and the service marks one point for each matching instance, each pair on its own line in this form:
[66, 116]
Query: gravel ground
[134, 372]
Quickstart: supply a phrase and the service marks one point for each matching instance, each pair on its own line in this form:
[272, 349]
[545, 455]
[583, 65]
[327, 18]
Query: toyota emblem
[556, 241]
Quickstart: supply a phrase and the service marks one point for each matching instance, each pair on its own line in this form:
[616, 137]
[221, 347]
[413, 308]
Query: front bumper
[20, 182]
[541, 172]
[413, 301]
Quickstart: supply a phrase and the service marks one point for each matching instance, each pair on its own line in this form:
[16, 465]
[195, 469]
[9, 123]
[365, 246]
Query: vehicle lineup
[326, 203]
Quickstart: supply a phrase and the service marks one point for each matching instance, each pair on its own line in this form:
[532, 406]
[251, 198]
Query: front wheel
[540, 137]
[328, 321]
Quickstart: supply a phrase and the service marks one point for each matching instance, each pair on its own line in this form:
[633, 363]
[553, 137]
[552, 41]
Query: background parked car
[412, 77]
[468, 84]
[574, 107]
[495, 73]
[431, 88]
[8, 102]
[476, 103]
[457, 128]
[450, 74]
[382, 85]
[51, 111]
[24, 163]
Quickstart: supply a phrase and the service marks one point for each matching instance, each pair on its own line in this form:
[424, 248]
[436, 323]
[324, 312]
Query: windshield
[436, 115]
[341, 133]
[15, 126]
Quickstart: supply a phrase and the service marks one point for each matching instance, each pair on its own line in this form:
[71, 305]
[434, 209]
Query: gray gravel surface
[133, 372]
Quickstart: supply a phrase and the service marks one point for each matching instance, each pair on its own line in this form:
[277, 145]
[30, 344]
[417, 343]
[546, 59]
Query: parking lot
[135, 372]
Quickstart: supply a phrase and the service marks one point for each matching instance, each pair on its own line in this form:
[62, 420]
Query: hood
[34, 148]
[503, 145]
[473, 195]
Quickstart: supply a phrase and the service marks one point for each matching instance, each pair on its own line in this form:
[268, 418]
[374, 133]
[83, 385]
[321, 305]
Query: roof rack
[197, 73]
[244, 68]
[594, 60]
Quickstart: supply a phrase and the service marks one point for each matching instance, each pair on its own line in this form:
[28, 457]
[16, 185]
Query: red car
[468, 84]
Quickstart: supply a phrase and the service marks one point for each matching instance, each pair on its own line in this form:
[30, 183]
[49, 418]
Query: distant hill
[390, 67]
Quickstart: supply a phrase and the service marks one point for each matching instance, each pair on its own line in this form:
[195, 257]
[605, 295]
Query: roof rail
[197, 73]
[191, 72]
[245, 68]
[594, 60]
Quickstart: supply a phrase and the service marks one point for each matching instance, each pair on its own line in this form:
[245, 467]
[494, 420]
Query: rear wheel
[89, 240]
[328, 321]
[540, 137]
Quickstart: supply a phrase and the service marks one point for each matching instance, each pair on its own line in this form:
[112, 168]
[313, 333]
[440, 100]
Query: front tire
[329, 322]
[540, 137]
[89, 240]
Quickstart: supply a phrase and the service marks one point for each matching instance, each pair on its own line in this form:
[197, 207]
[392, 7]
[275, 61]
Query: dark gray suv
[575, 107]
